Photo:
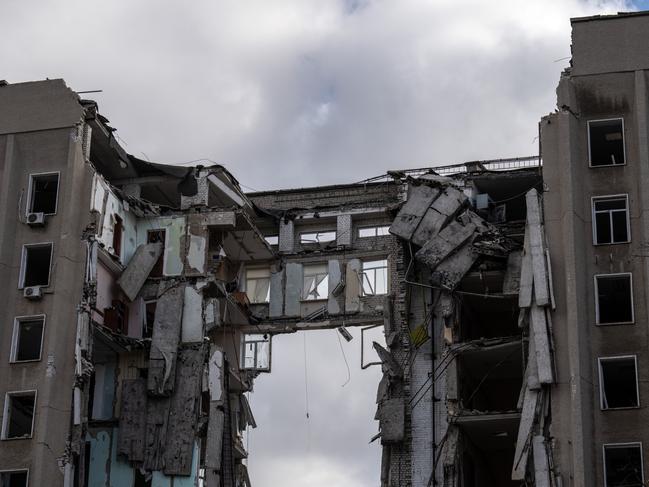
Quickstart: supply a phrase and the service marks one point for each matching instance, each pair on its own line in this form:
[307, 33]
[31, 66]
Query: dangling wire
[342, 350]
[306, 383]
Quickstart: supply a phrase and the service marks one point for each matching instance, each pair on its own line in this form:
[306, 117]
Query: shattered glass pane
[317, 237]
[316, 282]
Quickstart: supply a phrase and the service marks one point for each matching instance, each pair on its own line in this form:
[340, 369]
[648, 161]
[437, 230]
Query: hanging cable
[306, 383]
[342, 350]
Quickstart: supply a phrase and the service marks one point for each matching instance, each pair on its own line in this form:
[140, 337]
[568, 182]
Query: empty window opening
[375, 277]
[154, 236]
[17, 478]
[614, 299]
[272, 239]
[379, 231]
[623, 465]
[256, 352]
[606, 142]
[316, 282]
[44, 189]
[149, 318]
[141, 479]
[611, 220]
[618, 382]
[18, 415]
[118, 230]
[258, 285]
[27, 338]
[36, 260]
[317, 237]
[103, 391]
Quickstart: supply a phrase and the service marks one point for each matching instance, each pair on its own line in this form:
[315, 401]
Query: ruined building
[141, 299]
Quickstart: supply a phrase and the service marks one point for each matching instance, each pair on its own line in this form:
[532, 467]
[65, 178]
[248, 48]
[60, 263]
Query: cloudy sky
[290, 93]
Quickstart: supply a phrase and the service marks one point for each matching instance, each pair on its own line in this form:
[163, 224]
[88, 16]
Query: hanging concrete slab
[537, 251]
[335, 278]
[448, 204]
[440, 246]
[450, 271]
[524, 434]
[419, 200]
[293, 295]
[353, 286]
[512, 280]
[541, 344]
[157, 418]
[541, 465]
[139, 268]
[132, 421]
[392, 417]
[276, 302]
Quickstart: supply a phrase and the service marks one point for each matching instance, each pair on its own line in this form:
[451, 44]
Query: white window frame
[307, 298]
[597, 299]
[595, 199]
[387, 277]
[376, 231]
[14, 338]
[30, 187]
[601, 380]
[5, 414]
[316, 233]
[251, 339]
[17, 470]
[23, 262]
[622, 445]
[245, 282]
[590, 159]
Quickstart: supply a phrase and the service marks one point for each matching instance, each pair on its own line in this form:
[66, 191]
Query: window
[623, 465]
[17, 478]
[27, 338]
[317, 237]
[611, 220]
[375, 277]
[153, 236]
[118, 228]
[606, 142]
[149, 318]
[18, 420]
[380, 231]
[618, 382]
[258, 285]
[256, 352]
[315, 282]
[613, 299]
[35, 268]
[43, 193]
[272, 239]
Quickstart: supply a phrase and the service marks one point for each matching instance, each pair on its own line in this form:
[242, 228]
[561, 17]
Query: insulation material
[343, 230]
[165, 339]
[276, 300]
[353, 286]
[335, 280]
[138, 270]
[132, 420]
[447, 204]
[293, 289]
[192, 324]
[183, 412]
[419, 200]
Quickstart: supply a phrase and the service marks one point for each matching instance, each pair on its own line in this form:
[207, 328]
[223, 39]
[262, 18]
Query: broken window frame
[316, 271]
[118, 235]
[6, 417]
[631, 444]
[250, 339]
[248, 279]
[31, 188]
[272, 240]
[316, 237]
[590, 158]
[378, 231]
[372, 285]
[596, 277]
[15, 338]
[13, 471]
[595, 212]
[23, 264]
[602, 396]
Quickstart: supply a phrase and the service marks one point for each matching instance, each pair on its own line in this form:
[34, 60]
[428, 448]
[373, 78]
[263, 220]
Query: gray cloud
[296, 93]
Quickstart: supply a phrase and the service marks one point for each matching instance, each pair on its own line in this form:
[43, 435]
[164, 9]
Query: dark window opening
[147, 332]
[116, 317]
[141, 479]
[614, 299]
[611, 220]
[13, 479]
[618, 383]
[20, 415]
[623, 465]
[606, 139]
[154, 236]
[117, 235]
[28, 340]
[36, 270]
[44, 194]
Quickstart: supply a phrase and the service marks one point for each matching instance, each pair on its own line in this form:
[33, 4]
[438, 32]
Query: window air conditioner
[33, 292]
[36, 219]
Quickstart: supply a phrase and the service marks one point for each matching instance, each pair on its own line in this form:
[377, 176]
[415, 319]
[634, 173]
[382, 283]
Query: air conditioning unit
[36, 219]
[33, 292]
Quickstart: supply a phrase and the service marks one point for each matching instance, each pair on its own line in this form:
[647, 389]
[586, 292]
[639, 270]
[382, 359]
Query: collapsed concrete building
[141, 299]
